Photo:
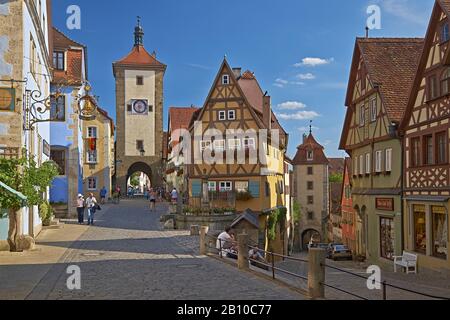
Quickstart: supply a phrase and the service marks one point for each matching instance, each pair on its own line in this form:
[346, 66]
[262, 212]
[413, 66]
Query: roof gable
[139, 57]
[310, 144]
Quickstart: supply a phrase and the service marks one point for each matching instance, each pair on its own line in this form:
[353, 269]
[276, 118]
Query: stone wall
[218, 223]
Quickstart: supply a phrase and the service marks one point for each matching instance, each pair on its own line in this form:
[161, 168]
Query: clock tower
[139, 110]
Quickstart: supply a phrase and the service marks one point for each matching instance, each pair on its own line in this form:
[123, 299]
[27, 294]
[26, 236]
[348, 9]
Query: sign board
[385, 204]
[46, 148]
[7, 99]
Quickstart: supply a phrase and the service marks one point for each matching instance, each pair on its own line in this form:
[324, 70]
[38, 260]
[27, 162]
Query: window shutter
[253, 187]
[196, 188]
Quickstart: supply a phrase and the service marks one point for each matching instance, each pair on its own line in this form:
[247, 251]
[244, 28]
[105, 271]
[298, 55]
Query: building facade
[381, 77]
[99, 160]
[176, 170]
[139, 109]
[311, 191]
[232, 164]
[69, 60]
[426, 150]
[25, 67]
[348, 213]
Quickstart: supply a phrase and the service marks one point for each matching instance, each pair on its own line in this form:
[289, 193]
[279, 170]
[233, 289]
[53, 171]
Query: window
[441, 144]
[58, 60]
[219, 145]
[378, 161]
[362, 116]
[59, 157]
[361, 165]
[432, 88]
[310, 171]
[234, 144]
[428, 150]
[205, 145]
[231, 114]
[249, 143]
[139, 80]
[310, 200]
[445, 82]
[58, 108]
[310, 155]
[310, 215]
[373, 110]
[222, 116]
[92, 132]
[355, 166]
[225, 186]
[445, 34]
[420, 229]
[310, 185]
[440, 232]
[129, 108]
[92, 183]
[368, 164]
[387, 238]
[33, 56]
[388, 160]
[415, 152]
[212, 186]
[92, 157]
[267, 189]
[139, 145]
[225, 79]
[241, 186]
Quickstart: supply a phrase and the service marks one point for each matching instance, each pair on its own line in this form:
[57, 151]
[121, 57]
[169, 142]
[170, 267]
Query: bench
[407, 261]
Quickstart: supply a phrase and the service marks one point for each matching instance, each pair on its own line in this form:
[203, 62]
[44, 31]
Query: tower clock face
[140, 106]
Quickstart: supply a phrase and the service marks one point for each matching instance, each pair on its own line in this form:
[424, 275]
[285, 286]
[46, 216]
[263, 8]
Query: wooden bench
[407, 261]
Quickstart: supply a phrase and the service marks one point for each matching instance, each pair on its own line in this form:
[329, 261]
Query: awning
[428, 198]
[16, 193]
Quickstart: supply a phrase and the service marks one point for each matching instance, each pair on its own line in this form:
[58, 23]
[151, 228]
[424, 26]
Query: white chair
[407, 261]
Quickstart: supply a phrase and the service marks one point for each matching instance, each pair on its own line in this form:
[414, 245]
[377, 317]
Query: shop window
[420, 229]
[440, 232]
[387, 238]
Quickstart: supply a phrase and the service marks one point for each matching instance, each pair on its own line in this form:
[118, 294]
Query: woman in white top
[80, 209]
[91, 204]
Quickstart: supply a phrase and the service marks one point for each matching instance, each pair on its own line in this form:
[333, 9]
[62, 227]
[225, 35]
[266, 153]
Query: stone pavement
[127, 255]
[433, 284]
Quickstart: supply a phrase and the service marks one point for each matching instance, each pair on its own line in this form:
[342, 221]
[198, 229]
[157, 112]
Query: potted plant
[244, 195]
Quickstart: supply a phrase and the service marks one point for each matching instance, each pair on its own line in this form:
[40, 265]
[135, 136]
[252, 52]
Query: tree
[135, 179]
[297, 210]
[336, 178]
[23, 175]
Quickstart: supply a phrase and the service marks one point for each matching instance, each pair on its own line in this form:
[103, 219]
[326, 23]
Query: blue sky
[300, 51]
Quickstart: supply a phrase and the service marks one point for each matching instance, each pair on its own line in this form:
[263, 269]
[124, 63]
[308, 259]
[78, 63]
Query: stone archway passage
[139, 167]
[309, 234]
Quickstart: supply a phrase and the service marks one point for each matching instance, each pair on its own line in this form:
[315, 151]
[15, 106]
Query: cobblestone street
[127, 255]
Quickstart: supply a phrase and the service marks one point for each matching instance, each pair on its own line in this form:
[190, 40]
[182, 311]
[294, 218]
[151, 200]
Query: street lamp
[142, 152]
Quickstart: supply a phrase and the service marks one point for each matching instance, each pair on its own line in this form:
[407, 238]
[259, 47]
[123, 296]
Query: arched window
[445, 82]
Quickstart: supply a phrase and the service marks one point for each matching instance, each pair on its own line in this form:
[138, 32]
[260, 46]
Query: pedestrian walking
[80, 209]
[152, 199]
[103, 194]
[174, 196]
[91, 204]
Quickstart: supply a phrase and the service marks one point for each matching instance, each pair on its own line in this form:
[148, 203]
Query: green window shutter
[253, 187]
[196, 188]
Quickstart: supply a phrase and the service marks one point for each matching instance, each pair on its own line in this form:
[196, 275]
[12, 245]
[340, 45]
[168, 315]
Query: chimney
[237, 72]
[267, 111]
[304, 138]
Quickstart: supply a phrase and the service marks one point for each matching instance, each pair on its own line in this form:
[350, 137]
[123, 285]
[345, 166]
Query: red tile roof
[248, 75]
[73, 75]
[180, 118]
[310, 144]
[139, 56]
[392, 64]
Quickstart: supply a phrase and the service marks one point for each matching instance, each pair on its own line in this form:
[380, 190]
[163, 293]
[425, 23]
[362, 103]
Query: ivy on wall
[276, 216]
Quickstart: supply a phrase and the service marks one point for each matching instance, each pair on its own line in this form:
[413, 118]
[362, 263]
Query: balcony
[9, 153]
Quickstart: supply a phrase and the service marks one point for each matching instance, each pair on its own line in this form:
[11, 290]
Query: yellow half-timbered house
[233, 165]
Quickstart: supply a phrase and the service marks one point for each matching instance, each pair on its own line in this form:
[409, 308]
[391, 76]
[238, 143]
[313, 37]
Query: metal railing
[271, 266]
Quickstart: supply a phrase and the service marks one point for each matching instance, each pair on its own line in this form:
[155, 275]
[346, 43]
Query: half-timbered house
[426, 148]
[233, 165]
[382, 73]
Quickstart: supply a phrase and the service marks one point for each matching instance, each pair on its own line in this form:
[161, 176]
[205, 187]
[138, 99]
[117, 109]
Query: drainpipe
[394, 127]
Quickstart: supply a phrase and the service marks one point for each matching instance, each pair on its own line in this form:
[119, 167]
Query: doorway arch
[309, 234]
[140, 167]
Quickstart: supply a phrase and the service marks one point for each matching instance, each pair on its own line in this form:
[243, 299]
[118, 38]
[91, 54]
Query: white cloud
[279, 85]
[291, 105]
[198, 66]
[298, 83]
[313, 62]
[281, 81]
[306, 76]
[299, 115]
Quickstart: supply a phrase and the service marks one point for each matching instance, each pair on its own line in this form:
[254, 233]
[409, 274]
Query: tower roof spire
[138, 33]
[310, 127]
